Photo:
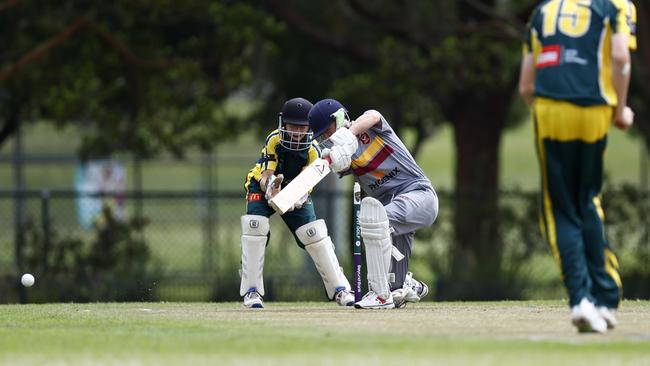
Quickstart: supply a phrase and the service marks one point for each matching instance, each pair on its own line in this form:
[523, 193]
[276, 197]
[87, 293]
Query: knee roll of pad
[255, 225]
[373, 220]
[375, 230]
[320, 248]
[312, 232]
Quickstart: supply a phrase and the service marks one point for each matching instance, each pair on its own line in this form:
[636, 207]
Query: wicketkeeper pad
[376, 238]
[321, 249]
[254, 229]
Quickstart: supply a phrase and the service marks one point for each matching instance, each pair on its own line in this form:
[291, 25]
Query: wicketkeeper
[400, 198]
[286, 152]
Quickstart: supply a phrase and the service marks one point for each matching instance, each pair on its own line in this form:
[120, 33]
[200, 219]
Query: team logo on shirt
[253, 197]
[383, 180]
[364, 138]
[572, 56]
[550, 56]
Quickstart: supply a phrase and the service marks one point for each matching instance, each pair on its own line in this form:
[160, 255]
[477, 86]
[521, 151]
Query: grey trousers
[408, 212]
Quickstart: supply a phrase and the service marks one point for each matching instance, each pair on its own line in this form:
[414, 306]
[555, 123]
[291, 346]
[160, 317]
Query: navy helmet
[295, 112]
[323, 113]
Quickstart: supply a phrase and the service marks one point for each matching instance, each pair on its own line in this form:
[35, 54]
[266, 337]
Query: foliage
[152, 77]
[115, 266]
[625, 207]
[139, 76]
[640, 83]
[626, 212]
[425, 63]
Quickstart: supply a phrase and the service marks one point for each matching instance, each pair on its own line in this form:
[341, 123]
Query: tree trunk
[11, 121]
[641, 65]
[476, 271]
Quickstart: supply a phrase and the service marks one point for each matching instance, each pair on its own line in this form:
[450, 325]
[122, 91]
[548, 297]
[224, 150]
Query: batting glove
[298, 205]
[345, 140]
[340, 159]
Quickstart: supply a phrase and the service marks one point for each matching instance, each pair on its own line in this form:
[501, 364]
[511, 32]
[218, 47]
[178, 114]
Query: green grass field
[483, 333]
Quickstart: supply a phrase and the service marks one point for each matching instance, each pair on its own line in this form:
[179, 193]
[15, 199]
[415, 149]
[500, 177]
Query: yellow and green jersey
[571, 44]
[281, 160]
[630, 10]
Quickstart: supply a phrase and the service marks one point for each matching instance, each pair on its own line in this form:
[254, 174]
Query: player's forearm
[365, 121]
[621, 64]
[527, 79]
[621, 85]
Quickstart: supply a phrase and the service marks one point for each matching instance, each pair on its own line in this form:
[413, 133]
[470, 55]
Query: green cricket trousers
[571, 141]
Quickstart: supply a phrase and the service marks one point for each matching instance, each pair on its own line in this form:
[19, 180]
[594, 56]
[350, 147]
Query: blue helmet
[322, 115]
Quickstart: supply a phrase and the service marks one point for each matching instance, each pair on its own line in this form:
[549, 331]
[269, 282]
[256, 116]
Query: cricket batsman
[286, 152]
[400, 198]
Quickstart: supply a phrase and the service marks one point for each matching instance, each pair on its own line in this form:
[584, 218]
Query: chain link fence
[192, 242]
[185, 246]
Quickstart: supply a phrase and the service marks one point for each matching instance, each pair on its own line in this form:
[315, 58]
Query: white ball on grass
[27, 280]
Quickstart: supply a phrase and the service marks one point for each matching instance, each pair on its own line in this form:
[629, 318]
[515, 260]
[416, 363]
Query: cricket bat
[300, 185]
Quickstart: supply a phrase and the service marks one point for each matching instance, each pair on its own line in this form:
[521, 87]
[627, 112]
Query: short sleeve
[631, 20]
[618, 16]
[269, 156]
[530, 36]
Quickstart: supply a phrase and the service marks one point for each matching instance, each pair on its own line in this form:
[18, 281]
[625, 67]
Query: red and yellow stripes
[376, 153]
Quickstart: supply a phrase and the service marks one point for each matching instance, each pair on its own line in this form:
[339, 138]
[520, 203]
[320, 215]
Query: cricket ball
[27, 280]
[628, 117]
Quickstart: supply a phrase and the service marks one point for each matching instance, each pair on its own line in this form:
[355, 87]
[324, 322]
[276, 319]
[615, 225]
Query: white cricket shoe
[344, 298]
[586, 318]
[412, 291]
[608, 315]
[372, 301]
[253, 299]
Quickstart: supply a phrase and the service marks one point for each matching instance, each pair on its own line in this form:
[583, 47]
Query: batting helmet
[295, 111]
[321, 116]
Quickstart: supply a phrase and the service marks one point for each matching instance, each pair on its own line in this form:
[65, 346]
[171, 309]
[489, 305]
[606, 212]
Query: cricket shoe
[253, 299]
[343, 297]
[372, 301]
[586, 318]
[412, 291]
[608, 315]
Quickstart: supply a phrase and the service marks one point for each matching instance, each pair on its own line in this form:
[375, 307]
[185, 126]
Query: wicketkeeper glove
[273, 185]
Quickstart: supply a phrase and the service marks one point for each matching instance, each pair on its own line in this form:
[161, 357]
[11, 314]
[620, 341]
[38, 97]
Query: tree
[424, 63]
[138, 76]
[640, 85]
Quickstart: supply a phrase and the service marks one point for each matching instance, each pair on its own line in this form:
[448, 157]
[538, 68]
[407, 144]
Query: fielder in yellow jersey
[575, 73]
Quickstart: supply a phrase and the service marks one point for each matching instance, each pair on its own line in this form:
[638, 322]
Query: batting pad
[321, 250]
[254, 229]
[376, 238]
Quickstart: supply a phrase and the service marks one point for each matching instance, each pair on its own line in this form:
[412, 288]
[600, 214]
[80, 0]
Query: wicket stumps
[356, 232]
